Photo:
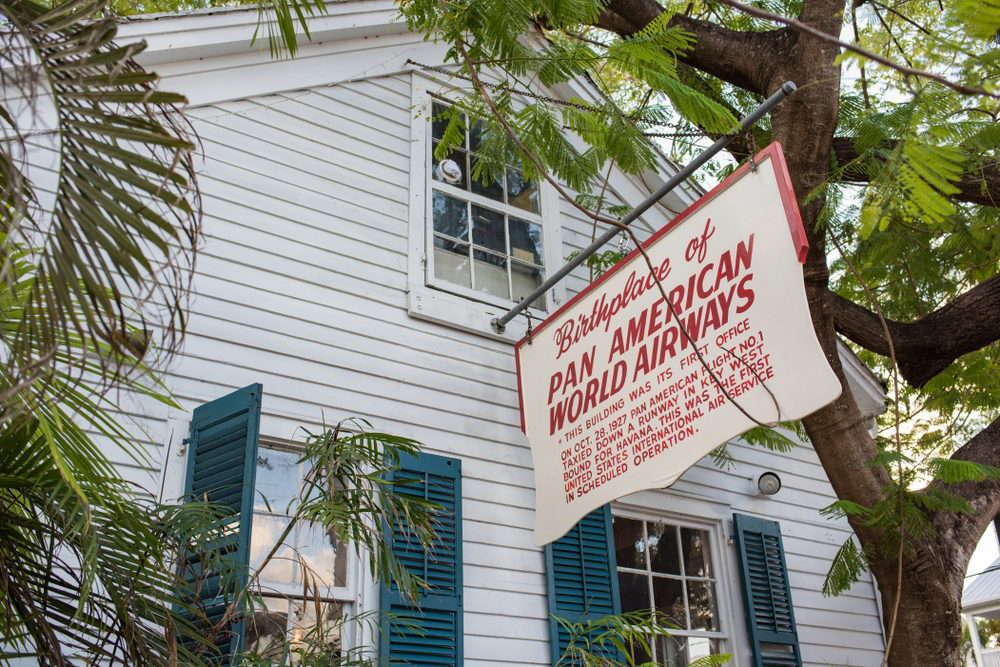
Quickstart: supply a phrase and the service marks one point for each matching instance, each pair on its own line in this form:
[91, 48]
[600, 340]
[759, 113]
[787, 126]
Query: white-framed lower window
[673, 569]
[307, 552]
[476, 248]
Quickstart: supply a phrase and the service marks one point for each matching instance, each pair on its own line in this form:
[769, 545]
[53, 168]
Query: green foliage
[988, 630]
[646, 60]
[347, 491]
[760, 436]
[599, 262]
[87, 568]
[723, 458]
[83, 560]
[846, 570]
[134, 7]
[120, 231]
[618, 641]
[773, 439]
[92, 266]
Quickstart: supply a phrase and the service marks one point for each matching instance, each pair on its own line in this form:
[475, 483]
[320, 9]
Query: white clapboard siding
[301, 286]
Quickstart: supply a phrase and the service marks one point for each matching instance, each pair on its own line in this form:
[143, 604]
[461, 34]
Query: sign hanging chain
[623, 243]
[752, 140]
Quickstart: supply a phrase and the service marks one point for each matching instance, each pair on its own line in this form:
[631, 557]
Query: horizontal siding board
[341, 128]
[268, 169]
[509, 627]
[324, 396]
[230, 166]
[371, 370]
[241, 259]
[395, 89]
[832, 618]
[327, 368]
[353, 392]
[337, 306]
[403, 361]
[511, 496]
[510, 536]
[284, 158]
[443, 372]
[505, 603]
[827, 645]
[323, 135]
[525, 651]
[503, 557]
[325, 254]
[507, 579]
[366, 98]
[378, 226]
[308, 228]
[503, 516]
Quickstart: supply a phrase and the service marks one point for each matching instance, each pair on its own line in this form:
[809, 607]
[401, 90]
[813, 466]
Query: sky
[985, 553]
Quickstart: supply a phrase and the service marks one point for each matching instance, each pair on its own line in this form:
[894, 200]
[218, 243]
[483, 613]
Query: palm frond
[120, 230]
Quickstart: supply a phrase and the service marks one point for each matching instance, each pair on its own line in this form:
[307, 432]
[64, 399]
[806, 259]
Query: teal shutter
[430, 632]
[222, 466]
[766, 593]
[582, 576]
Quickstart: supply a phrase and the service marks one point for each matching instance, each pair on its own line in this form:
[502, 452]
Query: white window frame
[344, 594]
[730, 632]
[437, 300]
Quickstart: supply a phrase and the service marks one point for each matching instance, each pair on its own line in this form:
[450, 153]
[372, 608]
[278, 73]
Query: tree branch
[804, 28]
[927, 347]
[959, 528]
[744, 59]
[980, 186]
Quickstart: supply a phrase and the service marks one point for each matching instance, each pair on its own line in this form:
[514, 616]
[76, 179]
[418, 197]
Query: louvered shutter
[430, 631]
[582, 576]
[766, 593]
[222, 466]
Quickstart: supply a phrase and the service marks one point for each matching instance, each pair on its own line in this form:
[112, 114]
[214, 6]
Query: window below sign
[671, 568]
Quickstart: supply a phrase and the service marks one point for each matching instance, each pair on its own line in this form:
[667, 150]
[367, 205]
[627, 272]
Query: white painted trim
[868, 389]
[977, 646]
[173, 468]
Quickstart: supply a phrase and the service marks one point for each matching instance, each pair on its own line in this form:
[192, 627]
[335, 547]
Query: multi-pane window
[307, 552]
[669, 568]
[487, 236]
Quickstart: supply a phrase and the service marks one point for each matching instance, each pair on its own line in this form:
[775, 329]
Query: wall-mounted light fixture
[768, 484]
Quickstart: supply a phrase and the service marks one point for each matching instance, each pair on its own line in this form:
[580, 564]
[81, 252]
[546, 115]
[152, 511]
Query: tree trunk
[928, 631]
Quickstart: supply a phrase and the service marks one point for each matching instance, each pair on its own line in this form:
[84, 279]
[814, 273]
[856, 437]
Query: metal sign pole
[499, 323]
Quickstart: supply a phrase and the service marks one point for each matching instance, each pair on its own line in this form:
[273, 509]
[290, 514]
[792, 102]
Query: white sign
[615, 398]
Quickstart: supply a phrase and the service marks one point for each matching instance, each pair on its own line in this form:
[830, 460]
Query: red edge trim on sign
[520, 394]
[795, 227]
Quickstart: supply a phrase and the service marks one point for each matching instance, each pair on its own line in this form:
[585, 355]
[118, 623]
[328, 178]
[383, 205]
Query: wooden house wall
[301, 285]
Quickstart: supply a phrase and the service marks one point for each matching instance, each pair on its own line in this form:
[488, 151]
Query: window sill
[451, 310]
